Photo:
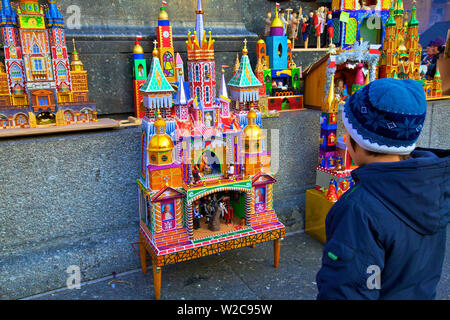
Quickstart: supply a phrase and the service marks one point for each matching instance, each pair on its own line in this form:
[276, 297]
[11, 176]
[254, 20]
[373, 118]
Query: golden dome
[163, 14]
[253, 132]
[138, 49]
[276, 22]
[160, 143]
[260, 41]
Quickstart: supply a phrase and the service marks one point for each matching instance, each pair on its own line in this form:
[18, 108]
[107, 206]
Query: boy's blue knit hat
[386, 116]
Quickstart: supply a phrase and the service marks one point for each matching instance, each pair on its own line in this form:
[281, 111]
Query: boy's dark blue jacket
[386, 235]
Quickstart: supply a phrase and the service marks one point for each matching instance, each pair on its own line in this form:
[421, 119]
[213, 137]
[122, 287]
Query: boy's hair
[372, 153]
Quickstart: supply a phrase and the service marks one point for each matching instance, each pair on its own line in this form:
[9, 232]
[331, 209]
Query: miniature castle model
[401, 55]
[38, 86]
[277, 70]
[205, 184]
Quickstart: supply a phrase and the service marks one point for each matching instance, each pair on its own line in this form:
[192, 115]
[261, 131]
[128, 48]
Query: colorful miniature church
[401, 55]
[38, 86]
[359, 20]
[276, 69]
[205, 184]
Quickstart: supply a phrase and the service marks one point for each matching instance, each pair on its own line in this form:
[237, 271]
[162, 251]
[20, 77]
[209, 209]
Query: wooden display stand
[249, 239]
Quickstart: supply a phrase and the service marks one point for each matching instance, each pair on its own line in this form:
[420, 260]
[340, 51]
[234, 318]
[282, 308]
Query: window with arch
[198, 94]
[206, 68]
[61, 71]
[21, 120]
[197, 72]
[16, 72]
[207, 95]
[168, 64]
[36, 49]
[4, 122]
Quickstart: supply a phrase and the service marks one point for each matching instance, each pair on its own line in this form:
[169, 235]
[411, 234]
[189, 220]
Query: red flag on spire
[164, 3]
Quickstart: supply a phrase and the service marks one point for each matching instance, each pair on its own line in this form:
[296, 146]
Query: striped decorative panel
[350, 31]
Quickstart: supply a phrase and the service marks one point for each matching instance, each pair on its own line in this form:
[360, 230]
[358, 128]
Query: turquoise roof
[156, 81]
[244, 77]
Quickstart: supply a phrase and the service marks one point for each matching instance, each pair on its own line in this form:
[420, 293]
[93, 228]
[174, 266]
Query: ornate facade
[401, 54]
[41, 87]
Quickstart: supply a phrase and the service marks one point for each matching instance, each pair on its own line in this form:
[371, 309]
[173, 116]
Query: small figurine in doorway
[196, 174]
[197, 216]
[340, 91]
[214, 222]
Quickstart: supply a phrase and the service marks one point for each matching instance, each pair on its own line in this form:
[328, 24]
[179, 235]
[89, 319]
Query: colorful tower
[412, 44]
[201, 64]
[140, 76]
[80, 89]
[277, 50]
[277, 71]
[156, 91]
[165, 45]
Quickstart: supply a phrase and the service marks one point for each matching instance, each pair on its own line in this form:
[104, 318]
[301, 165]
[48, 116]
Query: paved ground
[242, 274]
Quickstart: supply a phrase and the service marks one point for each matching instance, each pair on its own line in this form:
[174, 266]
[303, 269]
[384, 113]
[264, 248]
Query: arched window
[4, 122]
[207, 95]
[16, 72]
[168, 64]
[36, 49]
[206, 74]
[197, 72]
[198, 94]
[21, 120]
[61, 71]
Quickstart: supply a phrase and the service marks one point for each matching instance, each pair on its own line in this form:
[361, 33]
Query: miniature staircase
[265, 219]
[170, 239]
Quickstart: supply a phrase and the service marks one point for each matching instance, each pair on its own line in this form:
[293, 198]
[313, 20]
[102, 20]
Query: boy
[386, 235]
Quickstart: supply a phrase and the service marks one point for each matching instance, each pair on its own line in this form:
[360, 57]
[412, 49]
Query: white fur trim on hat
[373, 146]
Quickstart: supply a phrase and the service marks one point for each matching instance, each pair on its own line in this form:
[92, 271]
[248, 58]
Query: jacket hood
[416, 190]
